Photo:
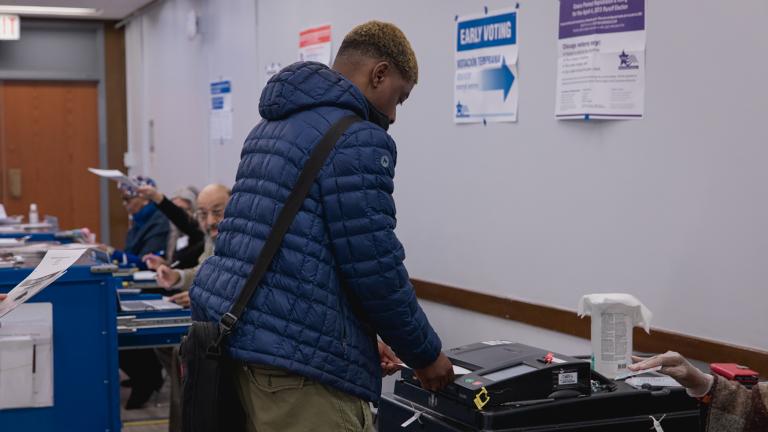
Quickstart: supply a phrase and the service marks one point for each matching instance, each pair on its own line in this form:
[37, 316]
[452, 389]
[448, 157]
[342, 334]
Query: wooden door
[49, 136]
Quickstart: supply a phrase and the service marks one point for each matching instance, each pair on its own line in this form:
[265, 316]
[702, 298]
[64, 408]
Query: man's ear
[378, 74]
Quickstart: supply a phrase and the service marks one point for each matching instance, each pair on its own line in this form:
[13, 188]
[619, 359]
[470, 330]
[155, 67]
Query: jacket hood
[306, 85]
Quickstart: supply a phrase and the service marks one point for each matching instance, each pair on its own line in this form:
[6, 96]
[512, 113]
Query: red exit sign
[9, 27]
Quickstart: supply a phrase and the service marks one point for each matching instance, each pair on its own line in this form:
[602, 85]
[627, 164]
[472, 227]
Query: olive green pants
[278, 401]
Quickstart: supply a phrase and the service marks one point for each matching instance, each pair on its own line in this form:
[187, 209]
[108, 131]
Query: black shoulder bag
[210, 401]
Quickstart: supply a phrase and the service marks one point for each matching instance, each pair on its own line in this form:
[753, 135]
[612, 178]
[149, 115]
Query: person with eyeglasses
[181, 210]
[211, 202]
[148, 233]
[210, 212]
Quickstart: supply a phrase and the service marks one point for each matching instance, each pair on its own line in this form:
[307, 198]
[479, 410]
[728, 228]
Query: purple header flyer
[588, 17]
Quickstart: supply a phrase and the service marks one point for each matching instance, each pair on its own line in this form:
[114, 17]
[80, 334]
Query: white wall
[671, 208]
[168, 84]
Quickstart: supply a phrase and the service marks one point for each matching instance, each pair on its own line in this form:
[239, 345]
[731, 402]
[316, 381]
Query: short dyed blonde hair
[383, 41]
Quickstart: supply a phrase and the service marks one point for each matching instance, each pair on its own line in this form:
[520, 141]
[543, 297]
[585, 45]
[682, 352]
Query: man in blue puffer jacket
[311, 356]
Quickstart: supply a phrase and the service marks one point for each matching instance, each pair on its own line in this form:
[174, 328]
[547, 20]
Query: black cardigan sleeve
[184, 222]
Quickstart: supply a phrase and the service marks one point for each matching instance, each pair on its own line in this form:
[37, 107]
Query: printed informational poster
[220, 121]
[271, 71]
[10, 27]
[315, 44]
[53, 265]
[485, 81]
[601, 65]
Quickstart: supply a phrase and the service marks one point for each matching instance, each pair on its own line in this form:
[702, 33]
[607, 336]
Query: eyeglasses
[216, 213]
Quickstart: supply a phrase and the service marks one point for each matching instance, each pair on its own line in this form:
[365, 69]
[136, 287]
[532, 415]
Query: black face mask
[377, 117]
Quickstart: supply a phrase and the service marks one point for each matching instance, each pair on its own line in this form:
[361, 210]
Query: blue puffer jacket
[300, 318]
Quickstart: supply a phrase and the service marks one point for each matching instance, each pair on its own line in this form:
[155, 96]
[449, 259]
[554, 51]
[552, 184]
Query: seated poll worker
[211, 202]
[210, 211]
[148, 233]
[148, 228]
[186, 241]
[181, 209]
[732, 407]
[311, 363]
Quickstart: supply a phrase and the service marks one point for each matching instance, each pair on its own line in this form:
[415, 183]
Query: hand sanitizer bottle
[34, 217]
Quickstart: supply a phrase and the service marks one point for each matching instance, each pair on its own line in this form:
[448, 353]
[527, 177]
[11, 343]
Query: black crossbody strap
[284, 220]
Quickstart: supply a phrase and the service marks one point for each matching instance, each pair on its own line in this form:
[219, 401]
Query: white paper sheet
[114, 175]
[148, 305]
[662, 381]
[458, 370]
[271, 71]
[53, 265]
[121, 291]
[629, 374]
[220, 124]
[146, 275]
[10, 222]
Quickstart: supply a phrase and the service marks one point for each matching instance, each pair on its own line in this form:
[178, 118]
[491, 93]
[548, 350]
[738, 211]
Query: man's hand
[437, 375]
[676, 366]
[167, 277]
[389, 361]
[181, 299]
[150, 193]
[2, 297]
[153, 261]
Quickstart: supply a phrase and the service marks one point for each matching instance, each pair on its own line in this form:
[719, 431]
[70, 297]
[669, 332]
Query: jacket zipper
[343, 314]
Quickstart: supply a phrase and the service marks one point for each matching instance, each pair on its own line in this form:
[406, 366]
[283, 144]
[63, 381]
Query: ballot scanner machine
[506, 386]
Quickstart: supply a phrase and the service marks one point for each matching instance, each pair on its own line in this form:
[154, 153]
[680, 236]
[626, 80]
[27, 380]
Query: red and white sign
[9, 27]
[315, 44]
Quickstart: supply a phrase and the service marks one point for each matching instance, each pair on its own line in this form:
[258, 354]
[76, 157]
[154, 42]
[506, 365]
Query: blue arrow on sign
[500, 78]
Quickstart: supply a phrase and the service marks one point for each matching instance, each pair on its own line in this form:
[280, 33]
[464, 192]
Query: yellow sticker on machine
[482, 398]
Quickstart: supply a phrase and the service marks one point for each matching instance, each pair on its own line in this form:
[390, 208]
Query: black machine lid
[488, 354]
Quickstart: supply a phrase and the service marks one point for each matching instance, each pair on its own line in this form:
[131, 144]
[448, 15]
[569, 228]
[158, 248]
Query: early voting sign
[601, 65]
[485, 83]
